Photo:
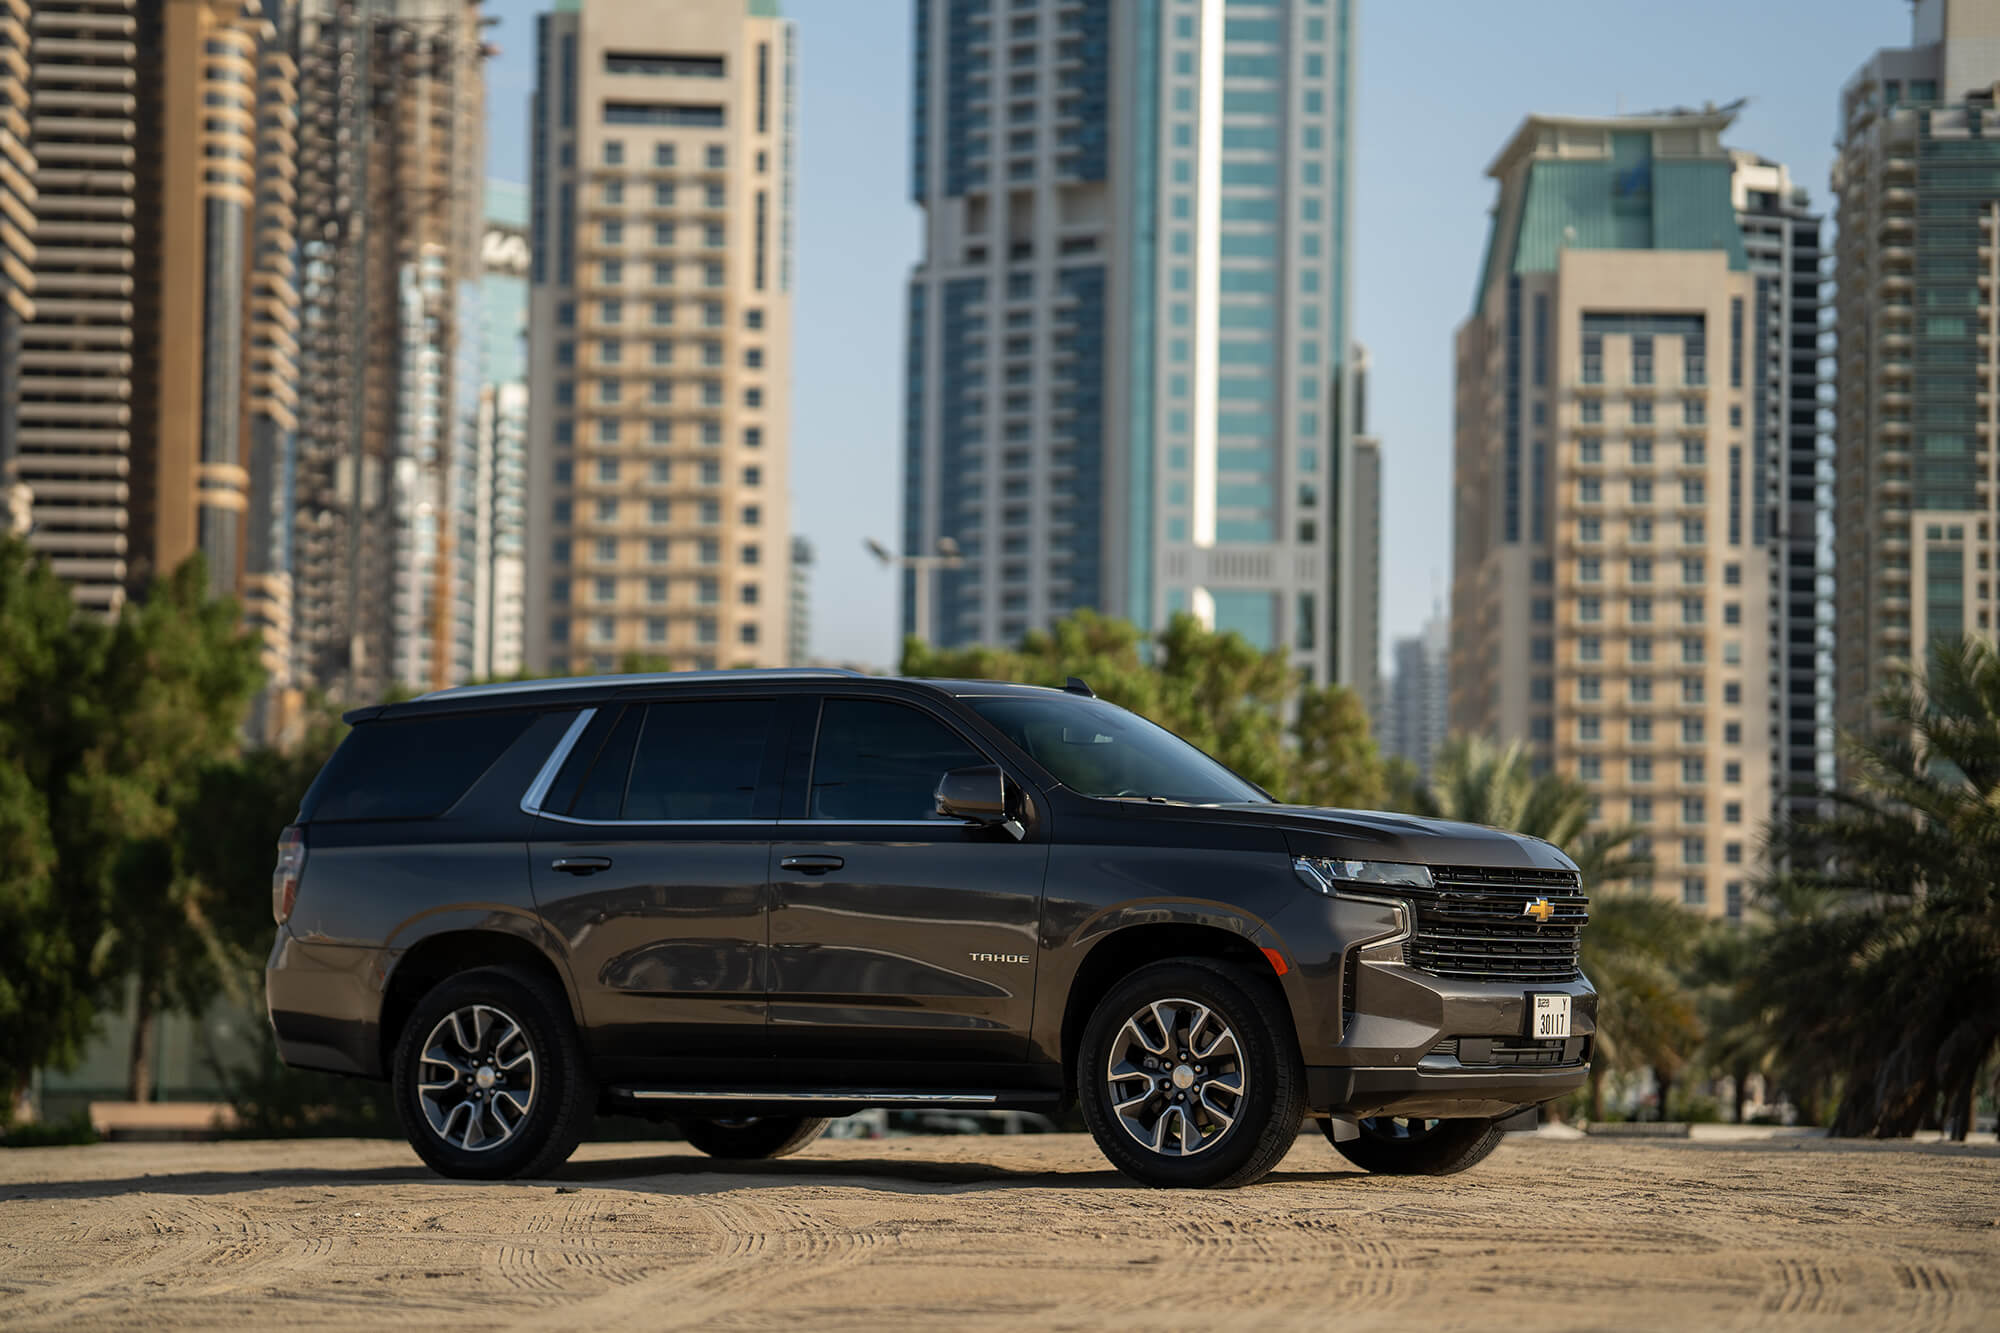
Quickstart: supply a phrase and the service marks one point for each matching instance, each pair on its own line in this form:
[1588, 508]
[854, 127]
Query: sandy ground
[992, 1232]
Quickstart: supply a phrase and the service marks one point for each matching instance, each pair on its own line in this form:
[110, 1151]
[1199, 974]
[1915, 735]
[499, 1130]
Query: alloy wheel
[476, 1078]
[1176, 1077]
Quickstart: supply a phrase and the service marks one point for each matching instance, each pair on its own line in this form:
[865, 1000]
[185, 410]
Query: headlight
[1330, 877]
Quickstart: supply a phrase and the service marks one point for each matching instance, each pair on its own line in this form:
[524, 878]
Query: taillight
[285, 876]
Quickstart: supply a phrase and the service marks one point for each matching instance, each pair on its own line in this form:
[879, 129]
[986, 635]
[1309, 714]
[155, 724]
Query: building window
[614, 153]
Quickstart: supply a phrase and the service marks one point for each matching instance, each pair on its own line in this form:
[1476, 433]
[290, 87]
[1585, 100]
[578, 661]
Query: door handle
[811, 865]
[580, 865]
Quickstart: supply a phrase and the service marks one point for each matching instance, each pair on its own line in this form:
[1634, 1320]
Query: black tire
[562, 1095]
[1397, 1147]
[754, 1136]
[1266, 1111]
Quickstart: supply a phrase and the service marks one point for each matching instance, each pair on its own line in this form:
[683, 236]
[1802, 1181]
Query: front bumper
[1356, 1091]
[1379, 1036]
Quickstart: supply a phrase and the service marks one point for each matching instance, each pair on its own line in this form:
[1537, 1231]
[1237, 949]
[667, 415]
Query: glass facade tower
[1127, 338]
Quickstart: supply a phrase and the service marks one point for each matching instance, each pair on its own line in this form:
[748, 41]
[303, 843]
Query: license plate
[1548, 1015]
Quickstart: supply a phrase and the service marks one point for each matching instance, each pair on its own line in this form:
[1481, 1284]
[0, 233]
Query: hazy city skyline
[1437, 95]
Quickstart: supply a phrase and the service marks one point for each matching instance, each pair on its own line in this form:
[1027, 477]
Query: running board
[839, 1096]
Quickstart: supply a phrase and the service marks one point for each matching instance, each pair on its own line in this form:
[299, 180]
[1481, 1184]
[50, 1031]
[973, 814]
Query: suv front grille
[1474, 926]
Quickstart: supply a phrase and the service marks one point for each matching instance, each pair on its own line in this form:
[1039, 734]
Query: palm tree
[1635, 944]
[1884, 963]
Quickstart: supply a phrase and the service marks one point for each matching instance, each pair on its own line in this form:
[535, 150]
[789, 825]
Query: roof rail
[634, 678]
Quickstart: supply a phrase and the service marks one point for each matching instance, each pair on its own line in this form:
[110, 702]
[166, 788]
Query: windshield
[1097, 749]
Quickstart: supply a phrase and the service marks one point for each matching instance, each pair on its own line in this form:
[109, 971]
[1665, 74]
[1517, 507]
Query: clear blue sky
[1442, 84]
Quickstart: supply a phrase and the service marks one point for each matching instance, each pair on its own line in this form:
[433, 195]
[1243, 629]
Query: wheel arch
[1120, 952]
[438, 957]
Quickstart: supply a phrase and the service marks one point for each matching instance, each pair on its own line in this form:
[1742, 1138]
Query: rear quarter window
[410, 768]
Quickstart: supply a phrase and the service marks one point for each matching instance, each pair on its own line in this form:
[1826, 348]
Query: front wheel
[752, 1137]
[1190, 1076]
[1404, 1146]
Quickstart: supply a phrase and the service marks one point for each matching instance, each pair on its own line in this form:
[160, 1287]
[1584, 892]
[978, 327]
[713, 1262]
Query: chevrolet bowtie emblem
[1541, 909]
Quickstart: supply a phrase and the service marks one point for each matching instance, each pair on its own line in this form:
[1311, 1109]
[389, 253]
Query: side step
[1024, 1099]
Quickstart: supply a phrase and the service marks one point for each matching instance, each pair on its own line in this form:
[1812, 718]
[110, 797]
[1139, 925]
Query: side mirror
[978, 795]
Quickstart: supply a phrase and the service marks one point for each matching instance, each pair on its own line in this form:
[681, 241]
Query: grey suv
[748, 901]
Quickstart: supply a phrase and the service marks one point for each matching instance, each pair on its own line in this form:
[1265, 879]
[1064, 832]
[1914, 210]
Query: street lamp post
[947, 557]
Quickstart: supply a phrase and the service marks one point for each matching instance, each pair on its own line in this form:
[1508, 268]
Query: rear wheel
[753, 1136]
[1406, 1146]
[489, 1078]
[1189, 1075]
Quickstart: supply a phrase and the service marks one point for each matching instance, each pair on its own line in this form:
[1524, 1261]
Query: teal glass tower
[1127, 375]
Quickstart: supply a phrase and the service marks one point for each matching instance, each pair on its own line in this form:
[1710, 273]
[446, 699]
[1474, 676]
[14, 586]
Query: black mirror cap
[978, 794]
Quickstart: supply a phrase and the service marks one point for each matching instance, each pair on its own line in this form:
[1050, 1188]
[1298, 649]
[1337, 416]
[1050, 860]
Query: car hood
[1373, 835]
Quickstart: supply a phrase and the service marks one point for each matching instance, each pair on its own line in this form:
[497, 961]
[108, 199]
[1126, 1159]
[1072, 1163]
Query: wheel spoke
[1231, 1083]
[436, 1056]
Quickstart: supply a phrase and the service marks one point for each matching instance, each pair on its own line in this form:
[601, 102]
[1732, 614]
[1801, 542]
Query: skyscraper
[142, 374]
[1623, 408]
[1127, 338]
[1411, 722]
[492, 545]
[1915, 439]
[660, 343]
[1789, 449]
[17, 215]
[392, 97]
[798, 634]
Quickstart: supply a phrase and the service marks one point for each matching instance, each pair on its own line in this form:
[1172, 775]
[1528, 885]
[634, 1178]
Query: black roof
[595, 689]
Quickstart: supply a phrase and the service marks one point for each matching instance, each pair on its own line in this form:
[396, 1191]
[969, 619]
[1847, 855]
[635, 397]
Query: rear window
[411, 768]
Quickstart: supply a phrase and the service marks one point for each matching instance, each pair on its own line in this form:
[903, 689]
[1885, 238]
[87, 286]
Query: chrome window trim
[655, 823]
[767, 823]
[865, 1095]
[538, 790]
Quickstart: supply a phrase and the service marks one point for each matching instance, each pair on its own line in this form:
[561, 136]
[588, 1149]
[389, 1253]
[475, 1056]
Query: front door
[654, 873]
[903, 944]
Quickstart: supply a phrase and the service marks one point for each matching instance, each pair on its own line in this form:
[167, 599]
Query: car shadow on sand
[643, 1172]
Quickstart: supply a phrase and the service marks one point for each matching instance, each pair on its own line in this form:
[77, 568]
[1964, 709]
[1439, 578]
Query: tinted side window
[601, 794]
[702, 759]
[411, 768]
[882, 761]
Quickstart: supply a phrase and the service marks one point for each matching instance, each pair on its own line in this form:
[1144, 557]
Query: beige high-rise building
[141, 369]
[660, 335]
[1615, 485]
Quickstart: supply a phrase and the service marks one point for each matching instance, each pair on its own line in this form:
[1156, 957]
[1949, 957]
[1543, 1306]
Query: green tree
[1215, 690]
[1883, 968]
[53, 964]
[179, 675]
[1635, 945]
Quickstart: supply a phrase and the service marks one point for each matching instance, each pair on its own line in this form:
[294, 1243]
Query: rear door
[903, 944]
[654, 872]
